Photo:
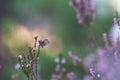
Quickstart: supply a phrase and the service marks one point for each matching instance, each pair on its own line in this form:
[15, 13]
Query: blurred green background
[20, 20]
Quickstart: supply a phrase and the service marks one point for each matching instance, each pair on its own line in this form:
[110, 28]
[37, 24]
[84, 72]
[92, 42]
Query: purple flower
[84, 9]
[108, 60]
[76, 59]
[71, 76]
[59, 73]
[117, 50]
[15, 77]
[117, 21]
[60, 69]
[57, 77]
[17, 66]
[108, 46]
[94, 74]
[87, 77]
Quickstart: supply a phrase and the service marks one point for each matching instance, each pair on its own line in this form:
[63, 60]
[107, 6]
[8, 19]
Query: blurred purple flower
[17, 66]
[89, 60]
[60, 69]
[71, 76]
[117, 21]
[76, 59]
[107, 41]
[108, 60]
[87, 77]
[94, 74]
[57, 77]
[117, 50]
[15, 77]
[59, 73]
[84, 9]
[103, 60]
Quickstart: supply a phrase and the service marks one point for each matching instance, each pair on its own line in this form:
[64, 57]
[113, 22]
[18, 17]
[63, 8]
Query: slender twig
[36, 65]
[93, 42]
[33, 74]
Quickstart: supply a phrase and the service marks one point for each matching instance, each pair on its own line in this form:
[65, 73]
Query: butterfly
[44, 42]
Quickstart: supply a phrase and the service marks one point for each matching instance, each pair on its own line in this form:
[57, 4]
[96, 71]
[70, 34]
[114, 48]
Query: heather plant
[29, 62]
[106, 61]
[103, 65]
[61, 73]
[84, 9]
[60, 70]
[85, 16]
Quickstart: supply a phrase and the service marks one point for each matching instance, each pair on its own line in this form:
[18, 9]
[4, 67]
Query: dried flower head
[36, 37]
[28, 65]
[20, 57]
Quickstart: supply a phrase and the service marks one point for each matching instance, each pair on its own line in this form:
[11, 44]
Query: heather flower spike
[84, 9]
[85, 16]
[71, 76]
[76, 60]
[94, 74]
[117, 20]
[107, 41]
[117, 50]
[60, 70]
